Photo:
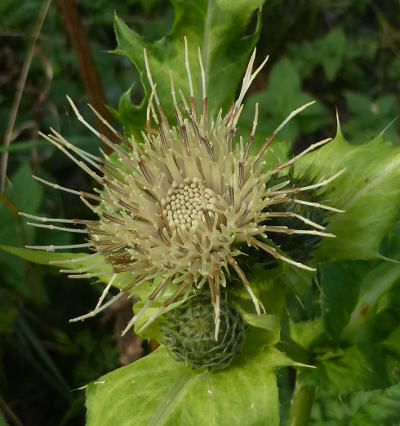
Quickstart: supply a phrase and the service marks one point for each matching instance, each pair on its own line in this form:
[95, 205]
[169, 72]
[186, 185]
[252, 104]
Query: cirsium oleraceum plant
[177, 204]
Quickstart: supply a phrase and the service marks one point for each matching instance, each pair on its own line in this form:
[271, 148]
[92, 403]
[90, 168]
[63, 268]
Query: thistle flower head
[178, 203]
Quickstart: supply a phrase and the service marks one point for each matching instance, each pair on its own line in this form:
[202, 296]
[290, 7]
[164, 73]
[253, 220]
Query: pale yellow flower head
[177, 204]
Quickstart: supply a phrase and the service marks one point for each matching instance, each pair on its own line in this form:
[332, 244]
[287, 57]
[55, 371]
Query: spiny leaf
[368, 190]
[218, 28]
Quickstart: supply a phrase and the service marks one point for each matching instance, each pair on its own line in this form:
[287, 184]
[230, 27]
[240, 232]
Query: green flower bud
[189, 333]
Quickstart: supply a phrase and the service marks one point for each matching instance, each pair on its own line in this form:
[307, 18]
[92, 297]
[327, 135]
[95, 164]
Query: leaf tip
[339, 133]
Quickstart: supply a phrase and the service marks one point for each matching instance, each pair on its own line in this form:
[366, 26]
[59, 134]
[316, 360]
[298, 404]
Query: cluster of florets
[177, 204]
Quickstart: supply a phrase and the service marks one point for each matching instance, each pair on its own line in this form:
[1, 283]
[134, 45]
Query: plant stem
[91, 78]
[300, 407]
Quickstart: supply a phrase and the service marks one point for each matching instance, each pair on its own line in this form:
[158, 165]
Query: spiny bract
[177, 204]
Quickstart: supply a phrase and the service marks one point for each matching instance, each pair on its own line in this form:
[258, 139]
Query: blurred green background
[345, 54]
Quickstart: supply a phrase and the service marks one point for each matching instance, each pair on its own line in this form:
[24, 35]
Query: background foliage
[344, 54]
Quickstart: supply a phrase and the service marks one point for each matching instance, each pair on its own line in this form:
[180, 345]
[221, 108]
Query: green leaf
[354, 342]
[392, 343]
[340, 287]
[357, 348]
[330, 51]
[307, 333]
[355, 368]
[218, 28]
[267, 322]
[23, 194]
[156, 390]
[297, 280]
[390, 245]
[57, 259]
[368, 191]
[46, 257]
[371, 408]
[353, 297]
[270, 324]
[376, 313]
[131, 116]
[370, 116]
